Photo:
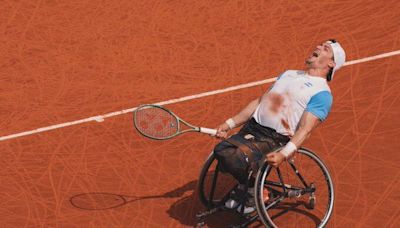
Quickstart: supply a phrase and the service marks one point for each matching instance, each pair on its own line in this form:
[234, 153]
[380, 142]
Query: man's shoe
[246, 210]
[237, 196]
[234, 199]
[249, 204]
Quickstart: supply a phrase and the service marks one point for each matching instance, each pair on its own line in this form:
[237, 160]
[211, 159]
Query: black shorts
[235, 162]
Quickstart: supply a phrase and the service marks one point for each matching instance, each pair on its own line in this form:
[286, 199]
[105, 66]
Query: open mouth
[315, 54]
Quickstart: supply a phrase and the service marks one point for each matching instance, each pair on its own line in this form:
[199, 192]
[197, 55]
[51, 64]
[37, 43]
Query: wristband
[289, 149]
[231, 123]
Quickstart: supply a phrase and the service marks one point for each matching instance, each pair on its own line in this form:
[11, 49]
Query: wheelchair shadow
[185, 209]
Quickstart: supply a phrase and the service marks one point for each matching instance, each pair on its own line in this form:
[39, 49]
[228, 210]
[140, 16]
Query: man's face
[321, 57]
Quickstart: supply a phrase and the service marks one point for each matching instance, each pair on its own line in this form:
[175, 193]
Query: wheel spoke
[275, 202]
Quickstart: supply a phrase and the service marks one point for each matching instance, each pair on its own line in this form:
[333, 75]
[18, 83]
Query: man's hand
[222, 131]
[275, 158]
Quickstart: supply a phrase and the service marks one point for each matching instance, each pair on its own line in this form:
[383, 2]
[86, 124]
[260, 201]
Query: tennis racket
[157, 122]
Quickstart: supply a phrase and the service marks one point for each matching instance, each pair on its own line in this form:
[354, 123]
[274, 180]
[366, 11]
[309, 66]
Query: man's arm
[308, 122]
[239, 118]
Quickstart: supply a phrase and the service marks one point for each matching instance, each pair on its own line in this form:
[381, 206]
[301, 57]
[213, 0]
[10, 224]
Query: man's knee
[221, 149]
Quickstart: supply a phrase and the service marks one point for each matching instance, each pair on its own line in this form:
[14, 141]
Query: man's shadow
[184, 210]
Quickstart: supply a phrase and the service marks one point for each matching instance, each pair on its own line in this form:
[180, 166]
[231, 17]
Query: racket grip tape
[208, 131]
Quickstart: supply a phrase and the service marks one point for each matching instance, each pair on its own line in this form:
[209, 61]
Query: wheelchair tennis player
[277, 123]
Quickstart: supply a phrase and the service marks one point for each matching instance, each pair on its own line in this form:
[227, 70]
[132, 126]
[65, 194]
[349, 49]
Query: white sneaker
[231, 203]
[236, 196]
[247, 210]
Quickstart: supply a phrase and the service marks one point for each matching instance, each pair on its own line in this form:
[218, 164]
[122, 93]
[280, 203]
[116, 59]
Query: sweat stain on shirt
[276, 102]
[285, 124]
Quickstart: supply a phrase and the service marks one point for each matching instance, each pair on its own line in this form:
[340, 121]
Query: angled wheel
[214, 186]
[299, 192]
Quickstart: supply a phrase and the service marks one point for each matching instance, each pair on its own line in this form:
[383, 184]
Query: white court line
[375, 57]
[100, 118]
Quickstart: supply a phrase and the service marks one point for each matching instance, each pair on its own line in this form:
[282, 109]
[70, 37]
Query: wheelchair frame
[277, 189]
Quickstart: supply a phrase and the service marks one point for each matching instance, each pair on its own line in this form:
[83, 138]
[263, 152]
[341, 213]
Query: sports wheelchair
[298, 193]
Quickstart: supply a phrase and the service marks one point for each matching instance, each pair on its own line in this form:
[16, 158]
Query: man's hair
[329, 75]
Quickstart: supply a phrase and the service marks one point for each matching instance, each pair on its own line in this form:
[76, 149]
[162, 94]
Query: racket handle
[208, 131]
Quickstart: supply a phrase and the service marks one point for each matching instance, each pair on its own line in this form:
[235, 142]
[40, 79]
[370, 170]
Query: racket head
[97, 201]
[156, 122]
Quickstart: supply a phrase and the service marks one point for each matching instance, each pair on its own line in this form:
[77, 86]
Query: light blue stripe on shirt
[320, 104]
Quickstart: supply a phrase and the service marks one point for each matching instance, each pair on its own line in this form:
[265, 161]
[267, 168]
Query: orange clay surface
[66, 60]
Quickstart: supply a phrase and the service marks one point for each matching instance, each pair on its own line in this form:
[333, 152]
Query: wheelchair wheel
[214, 186]
[297, 193]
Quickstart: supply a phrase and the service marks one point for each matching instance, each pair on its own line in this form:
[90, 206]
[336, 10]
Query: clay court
[66, 64]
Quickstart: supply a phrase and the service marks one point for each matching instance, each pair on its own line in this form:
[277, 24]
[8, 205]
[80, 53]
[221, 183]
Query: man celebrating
[281, 118]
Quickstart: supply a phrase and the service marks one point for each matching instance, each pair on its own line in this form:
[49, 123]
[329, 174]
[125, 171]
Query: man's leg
[233, 161]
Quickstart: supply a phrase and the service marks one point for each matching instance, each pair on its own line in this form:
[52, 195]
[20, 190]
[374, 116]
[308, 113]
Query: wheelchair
[298, 193]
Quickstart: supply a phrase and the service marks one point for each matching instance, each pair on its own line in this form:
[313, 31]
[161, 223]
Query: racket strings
[156, 122]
